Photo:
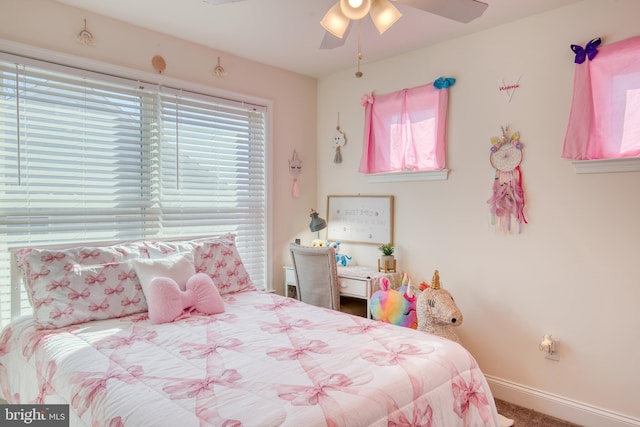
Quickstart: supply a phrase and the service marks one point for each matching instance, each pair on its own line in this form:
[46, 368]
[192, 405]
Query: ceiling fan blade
[329, 41]
[457, 10]
[217, 2]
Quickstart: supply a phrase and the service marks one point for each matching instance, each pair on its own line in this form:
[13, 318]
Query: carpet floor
[524, 417]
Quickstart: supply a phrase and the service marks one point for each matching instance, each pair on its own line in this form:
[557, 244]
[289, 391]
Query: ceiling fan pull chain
[359, 73]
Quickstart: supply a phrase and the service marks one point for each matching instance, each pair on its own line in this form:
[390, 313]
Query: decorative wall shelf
[439, 175]
[631, 164]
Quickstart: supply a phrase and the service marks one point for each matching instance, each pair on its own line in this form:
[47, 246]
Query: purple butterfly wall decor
[589, 51]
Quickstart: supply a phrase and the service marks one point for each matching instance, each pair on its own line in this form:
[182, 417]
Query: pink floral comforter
[266, 361]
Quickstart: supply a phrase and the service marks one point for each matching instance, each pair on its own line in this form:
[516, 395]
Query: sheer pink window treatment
[604, 122]
[405, 130]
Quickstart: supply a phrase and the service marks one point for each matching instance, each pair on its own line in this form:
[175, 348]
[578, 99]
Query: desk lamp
[316, 223]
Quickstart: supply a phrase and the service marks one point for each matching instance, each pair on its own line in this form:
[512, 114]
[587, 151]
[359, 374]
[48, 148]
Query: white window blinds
[213, 172]
[87, 158]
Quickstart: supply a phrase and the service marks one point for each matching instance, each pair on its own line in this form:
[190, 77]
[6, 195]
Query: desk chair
[316, 275]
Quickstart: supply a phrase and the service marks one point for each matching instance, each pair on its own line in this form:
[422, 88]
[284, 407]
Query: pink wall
[292, 97]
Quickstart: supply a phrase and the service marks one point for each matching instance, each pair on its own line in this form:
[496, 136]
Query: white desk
[355, 281]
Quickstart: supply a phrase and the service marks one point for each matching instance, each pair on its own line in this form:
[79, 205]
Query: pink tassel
[507, 200]
[295, 191]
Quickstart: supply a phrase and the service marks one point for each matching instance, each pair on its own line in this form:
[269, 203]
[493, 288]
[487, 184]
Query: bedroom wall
[53, 26]
[572, 272]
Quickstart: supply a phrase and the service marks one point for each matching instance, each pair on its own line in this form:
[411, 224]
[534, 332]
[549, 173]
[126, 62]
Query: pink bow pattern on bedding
[287, 360]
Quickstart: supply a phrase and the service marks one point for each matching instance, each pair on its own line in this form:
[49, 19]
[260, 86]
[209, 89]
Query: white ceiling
[287, 33]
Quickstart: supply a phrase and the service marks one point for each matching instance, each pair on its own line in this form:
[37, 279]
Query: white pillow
[179, 267]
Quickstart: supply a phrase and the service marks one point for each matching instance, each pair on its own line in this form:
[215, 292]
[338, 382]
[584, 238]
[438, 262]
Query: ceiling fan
[384, 14]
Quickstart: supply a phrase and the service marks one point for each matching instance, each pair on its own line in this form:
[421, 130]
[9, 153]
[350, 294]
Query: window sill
[438, 175]
[631, 164]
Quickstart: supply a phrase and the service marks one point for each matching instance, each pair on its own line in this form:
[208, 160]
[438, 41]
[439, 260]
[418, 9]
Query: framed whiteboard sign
[360, 219]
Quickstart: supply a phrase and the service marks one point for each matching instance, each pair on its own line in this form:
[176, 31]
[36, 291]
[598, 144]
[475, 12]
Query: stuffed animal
[395, 306]
[318, 243]
[341, 259]
[437, 311]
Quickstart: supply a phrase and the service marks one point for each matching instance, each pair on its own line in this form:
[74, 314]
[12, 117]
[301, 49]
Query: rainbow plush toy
[395, 306]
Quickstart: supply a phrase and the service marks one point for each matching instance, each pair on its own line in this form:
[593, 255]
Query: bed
[265, 360]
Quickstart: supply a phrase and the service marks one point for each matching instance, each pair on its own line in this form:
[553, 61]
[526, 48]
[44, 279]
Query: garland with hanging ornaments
[507, 201]
[85, 37]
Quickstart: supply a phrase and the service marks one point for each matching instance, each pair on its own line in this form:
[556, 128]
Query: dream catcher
[507, 201]
[339, 140]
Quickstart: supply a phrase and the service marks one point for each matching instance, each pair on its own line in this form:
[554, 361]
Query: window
[604, 122]
[88, 158]
[405, 131]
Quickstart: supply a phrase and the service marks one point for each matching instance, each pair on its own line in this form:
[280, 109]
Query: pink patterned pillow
[161, 249]
[219, 259]
[77, 285]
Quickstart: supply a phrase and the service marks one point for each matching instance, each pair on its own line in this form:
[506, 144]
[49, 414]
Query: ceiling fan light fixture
[384, 14]
[355, 9]
[335, 22]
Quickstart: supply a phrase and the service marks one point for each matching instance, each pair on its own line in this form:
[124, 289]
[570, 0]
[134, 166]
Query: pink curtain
[405, 130]
[604, 122]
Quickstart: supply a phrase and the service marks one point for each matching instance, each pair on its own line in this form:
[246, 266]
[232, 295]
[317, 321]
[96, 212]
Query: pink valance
[604, 122]
[405, 130]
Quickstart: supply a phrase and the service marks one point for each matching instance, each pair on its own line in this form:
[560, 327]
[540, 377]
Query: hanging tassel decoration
[339, 140]
[337, 158]
[295, 167]
[295, 191]
[507, 200]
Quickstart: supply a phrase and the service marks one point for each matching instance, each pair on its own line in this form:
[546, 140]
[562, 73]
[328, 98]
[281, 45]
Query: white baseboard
[558, 406]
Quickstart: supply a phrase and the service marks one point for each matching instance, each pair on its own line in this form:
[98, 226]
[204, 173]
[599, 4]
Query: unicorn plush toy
[437, 311]
[395, 306]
